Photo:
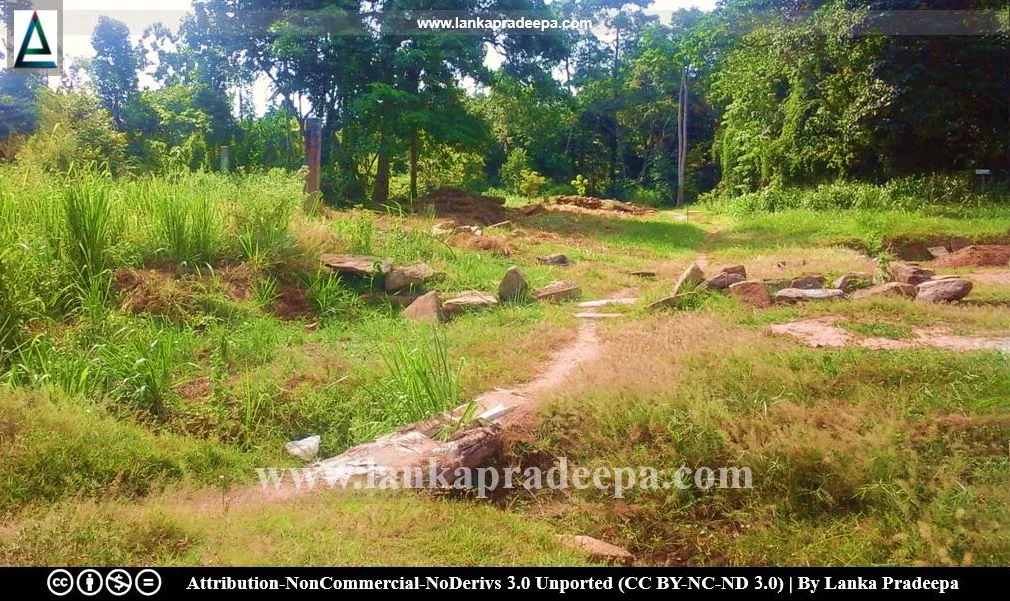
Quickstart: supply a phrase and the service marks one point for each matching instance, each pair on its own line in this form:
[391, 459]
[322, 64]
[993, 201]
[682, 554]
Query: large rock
[853, 281]
[357, 265]
[949, 290]
[737, 269]
[426, 309]
[910, 274]
[465, 301]
[777, 284]
[558, 291]
[692, 275]
[792, 295]
[554, 260]
[408, 277]
[513, 286]
[898, 289]
[751, 292]
[808, 282]
[722, 280]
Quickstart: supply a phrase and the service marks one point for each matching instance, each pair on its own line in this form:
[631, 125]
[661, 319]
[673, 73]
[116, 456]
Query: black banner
[272, 583]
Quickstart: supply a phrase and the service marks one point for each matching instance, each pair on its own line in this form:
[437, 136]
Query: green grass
[55, 447]
[870, 229]
[877, 329]
[326, 529]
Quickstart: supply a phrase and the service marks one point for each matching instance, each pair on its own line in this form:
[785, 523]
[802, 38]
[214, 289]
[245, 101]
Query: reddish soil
[196, 389]
[601, 204]
[992, 255]
[494, 244]
[465, 208]
[292, 303]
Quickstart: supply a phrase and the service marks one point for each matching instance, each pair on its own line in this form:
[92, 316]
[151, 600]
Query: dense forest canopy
[779, 93]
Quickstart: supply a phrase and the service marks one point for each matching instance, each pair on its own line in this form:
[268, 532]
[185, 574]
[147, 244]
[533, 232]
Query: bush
[74, 132]
[904, 194]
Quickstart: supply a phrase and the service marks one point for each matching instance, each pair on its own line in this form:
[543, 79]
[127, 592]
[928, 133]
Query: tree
[114, 67]
[17, 103]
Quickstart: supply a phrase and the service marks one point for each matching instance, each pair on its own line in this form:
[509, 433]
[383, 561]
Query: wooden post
[681, 137]
[225, 159]
[313, 155]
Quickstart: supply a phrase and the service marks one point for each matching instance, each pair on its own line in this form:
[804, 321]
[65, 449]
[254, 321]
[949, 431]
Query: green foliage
[114, 67]
[73, 133]
[581, 185]
[798, 101]
[519, 177]
[904, 194]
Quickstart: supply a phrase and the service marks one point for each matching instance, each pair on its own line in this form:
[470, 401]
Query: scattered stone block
[792, 295]
[513, 286]
[426, 309]
[943, 291]
[357, 265]
[557, 291]
[899, 289]
[469, 300]
[910, 274]
[751, 292]
[408, 277]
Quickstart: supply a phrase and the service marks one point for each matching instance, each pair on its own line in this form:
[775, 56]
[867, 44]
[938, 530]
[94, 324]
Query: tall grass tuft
[422, 382]
[330, 297]
[92, 226]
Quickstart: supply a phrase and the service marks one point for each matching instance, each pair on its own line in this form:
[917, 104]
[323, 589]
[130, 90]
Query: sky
[81, 16]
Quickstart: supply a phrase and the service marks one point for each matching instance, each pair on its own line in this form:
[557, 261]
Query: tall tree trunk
[412, 152]
[380, 192]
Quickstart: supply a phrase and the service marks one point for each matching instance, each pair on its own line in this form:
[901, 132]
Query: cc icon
[60, 582]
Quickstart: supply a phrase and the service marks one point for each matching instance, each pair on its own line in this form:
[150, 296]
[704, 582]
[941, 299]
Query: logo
[148, 582]
[118, 582]
[60, 582]
[34, 39]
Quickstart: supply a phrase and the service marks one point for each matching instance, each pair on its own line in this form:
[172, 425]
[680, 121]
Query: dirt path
[416, 444]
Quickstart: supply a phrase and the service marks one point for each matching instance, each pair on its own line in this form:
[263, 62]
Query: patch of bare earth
[823, 333]
[994, 277]
[987, 255]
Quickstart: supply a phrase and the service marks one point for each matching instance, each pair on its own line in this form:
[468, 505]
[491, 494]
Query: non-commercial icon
[118, 582]
[60, 582]
[147, 582]
[89, 582]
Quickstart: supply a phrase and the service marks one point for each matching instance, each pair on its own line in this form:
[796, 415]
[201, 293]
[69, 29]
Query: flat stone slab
[560, 290]
[899, 289]
[588, 315]
[608, 301]
[560, 260]
[598, 550]
[469, 300]
[357, 265]
[792, 295]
